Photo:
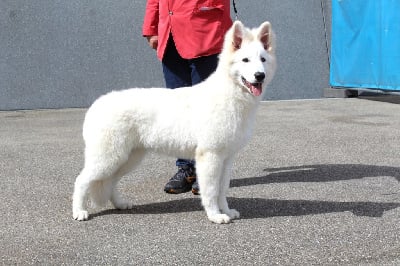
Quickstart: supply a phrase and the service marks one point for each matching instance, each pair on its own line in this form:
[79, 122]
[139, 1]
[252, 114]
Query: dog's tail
[100, 192]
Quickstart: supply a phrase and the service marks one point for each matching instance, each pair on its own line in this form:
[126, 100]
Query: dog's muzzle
[255, 88]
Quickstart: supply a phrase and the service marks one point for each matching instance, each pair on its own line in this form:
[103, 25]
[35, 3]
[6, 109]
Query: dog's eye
[246, 60]
[262, 59]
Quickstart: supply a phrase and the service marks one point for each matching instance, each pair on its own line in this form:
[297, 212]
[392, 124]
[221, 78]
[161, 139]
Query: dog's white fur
[208, 122]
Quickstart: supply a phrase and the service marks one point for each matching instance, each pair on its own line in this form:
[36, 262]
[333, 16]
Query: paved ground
[318, 184]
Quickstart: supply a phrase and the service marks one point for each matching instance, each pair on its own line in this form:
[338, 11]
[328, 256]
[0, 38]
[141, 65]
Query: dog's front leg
[224, 187]
[209, 167]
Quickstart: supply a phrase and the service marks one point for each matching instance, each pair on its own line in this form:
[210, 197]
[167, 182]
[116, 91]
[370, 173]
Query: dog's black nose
[260, 76]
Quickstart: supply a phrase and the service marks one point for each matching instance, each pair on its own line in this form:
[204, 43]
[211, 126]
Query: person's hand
[153, 41]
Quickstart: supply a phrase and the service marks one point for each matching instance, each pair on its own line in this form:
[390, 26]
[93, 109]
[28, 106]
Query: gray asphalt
[317, 185]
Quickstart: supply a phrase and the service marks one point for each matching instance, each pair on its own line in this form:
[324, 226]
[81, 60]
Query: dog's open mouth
[255, 88]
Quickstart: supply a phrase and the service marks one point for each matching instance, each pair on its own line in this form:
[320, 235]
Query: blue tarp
[365, 47]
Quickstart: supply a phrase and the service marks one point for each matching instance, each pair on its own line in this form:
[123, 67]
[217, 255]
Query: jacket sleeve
[151, 17]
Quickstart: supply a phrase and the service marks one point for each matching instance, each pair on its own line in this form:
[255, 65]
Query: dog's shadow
[251, 208]
[318, 173]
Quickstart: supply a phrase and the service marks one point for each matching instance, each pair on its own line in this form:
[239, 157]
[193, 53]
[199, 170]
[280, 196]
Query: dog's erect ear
[265, 35]
[238, 32]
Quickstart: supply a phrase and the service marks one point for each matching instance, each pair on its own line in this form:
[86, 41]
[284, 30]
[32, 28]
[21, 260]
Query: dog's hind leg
[224, 187]
[95, 182]
[98, 185]
[209, 167]
[135, 158]
[80, 196]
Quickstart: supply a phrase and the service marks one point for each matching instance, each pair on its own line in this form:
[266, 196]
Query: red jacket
[197, 26]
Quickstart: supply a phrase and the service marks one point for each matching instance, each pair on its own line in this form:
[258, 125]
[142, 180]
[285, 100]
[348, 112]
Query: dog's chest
[227, 130]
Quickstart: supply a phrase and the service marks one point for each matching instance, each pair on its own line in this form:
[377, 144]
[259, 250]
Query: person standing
[188, 36]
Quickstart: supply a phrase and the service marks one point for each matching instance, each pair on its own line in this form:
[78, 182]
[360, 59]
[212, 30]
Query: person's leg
[177, 73]
[201, 69]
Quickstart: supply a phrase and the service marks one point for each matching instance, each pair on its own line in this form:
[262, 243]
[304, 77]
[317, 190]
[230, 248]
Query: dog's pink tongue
[256, 90]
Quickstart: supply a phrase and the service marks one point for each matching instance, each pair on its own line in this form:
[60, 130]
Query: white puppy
[209, 122]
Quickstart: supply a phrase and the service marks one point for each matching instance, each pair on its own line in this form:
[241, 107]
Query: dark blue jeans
[180, 72]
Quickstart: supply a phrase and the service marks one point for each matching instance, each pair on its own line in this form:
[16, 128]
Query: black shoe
[196, 188]
[182, 181]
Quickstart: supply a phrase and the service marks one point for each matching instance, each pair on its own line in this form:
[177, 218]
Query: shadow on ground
[318, 173]
[251, 208]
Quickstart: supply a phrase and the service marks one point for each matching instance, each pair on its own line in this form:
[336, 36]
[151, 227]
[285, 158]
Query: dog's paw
[219, 218]
[232, 213]
[80, 215]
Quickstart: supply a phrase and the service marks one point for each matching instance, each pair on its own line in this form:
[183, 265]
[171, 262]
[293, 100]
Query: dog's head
[251, 56]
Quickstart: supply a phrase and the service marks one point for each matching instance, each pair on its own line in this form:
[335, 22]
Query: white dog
[209, 122]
